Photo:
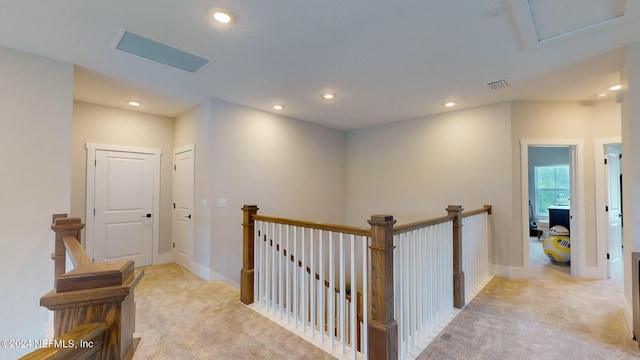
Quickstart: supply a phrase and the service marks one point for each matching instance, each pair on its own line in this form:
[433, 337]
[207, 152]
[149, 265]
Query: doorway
[549, 199]
[123, 188]
[609, 217]
[183, 193]
[576, 194]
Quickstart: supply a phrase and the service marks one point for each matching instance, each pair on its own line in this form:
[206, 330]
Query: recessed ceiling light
[221, 15]
[449, 104]
[615, 87]
[278, 107]
[134, 103]
[328, 96]
[601, 95]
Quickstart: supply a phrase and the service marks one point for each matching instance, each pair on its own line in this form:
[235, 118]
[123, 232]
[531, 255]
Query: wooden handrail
[91, 293]
[486, 208]
[352, 230]
[420, 224]
[439, 220]
[382, 326]
[76, 252]
[83, 342]
[63, 227]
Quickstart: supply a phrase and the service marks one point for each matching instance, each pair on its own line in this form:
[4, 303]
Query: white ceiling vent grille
[156, 51]
[497, 85]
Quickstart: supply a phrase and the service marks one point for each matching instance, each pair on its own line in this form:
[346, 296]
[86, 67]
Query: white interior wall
[107, 125]
[36, 96]
[413, 169]
[630, 77]
[287, 167]
[194, 128]
[562, 120]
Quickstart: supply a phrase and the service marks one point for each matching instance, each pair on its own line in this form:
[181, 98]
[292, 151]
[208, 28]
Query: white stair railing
[475, 253]
[423, 296]
[303, 275]
[305, 279]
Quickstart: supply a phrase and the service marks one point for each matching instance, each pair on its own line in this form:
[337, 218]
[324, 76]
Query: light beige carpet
[550, 316]
[180, 316]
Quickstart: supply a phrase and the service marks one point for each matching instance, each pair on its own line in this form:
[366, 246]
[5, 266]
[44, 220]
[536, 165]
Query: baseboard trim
[214, 276]
[591, 272]
[509, 272]
[628, 314]
[163, 259]
[200, 271]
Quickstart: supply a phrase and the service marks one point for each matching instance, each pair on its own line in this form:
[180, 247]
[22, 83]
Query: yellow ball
[558, 248]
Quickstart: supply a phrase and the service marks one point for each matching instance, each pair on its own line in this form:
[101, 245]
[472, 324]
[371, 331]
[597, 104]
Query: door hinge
[606, 208]
[174, 168]
[620, 156]
[174, 246]
[607, 256]
[94, 212]
[174, 205]
[95, 162]
[605, 161]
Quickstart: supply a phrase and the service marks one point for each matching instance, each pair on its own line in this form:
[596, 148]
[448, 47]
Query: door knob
[146, 216]
[188, 216]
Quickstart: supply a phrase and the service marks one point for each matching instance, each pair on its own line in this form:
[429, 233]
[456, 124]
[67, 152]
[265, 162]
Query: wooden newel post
[383, 327]
[246, 274]
[455, 212]
[63, 227]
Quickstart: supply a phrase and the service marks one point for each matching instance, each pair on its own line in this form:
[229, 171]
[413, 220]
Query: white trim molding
[601, 201]
[576, 146]
[90, 200]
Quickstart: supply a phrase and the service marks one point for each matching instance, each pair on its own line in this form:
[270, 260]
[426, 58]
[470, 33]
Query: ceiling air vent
[156, 51]
[497, 85]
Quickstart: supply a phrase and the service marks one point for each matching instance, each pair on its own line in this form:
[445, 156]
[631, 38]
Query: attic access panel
[553, 18]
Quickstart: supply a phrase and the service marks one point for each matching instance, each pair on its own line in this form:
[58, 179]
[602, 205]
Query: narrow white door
[124, 199]
[614, 225]
[183, 168]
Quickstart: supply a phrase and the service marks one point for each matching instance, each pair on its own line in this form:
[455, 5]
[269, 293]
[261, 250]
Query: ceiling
[385, 60]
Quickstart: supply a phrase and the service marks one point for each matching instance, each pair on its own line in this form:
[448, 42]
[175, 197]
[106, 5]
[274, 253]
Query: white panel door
[614, 230]
[124, 198]
[183, 175]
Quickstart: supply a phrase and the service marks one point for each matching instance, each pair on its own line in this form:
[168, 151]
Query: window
[551, 185]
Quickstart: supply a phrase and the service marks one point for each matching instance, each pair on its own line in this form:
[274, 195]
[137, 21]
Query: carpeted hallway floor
[180, 316]
[550, 316]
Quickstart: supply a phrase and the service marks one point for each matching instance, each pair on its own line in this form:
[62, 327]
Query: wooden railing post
[383, 327]
[246, 274]
[63, 226]
[455, 212]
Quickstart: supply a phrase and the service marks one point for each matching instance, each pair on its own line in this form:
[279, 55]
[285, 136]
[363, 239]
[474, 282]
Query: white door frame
[191, 148]
[90, 193]
[578, 261]
[602, 218]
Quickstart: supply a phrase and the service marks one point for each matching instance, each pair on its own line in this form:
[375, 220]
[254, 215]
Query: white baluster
[321, 285]
[365, 294]
[343, 292]
[332, 291]
[353, 290]
[312, 274]
[304, 283]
